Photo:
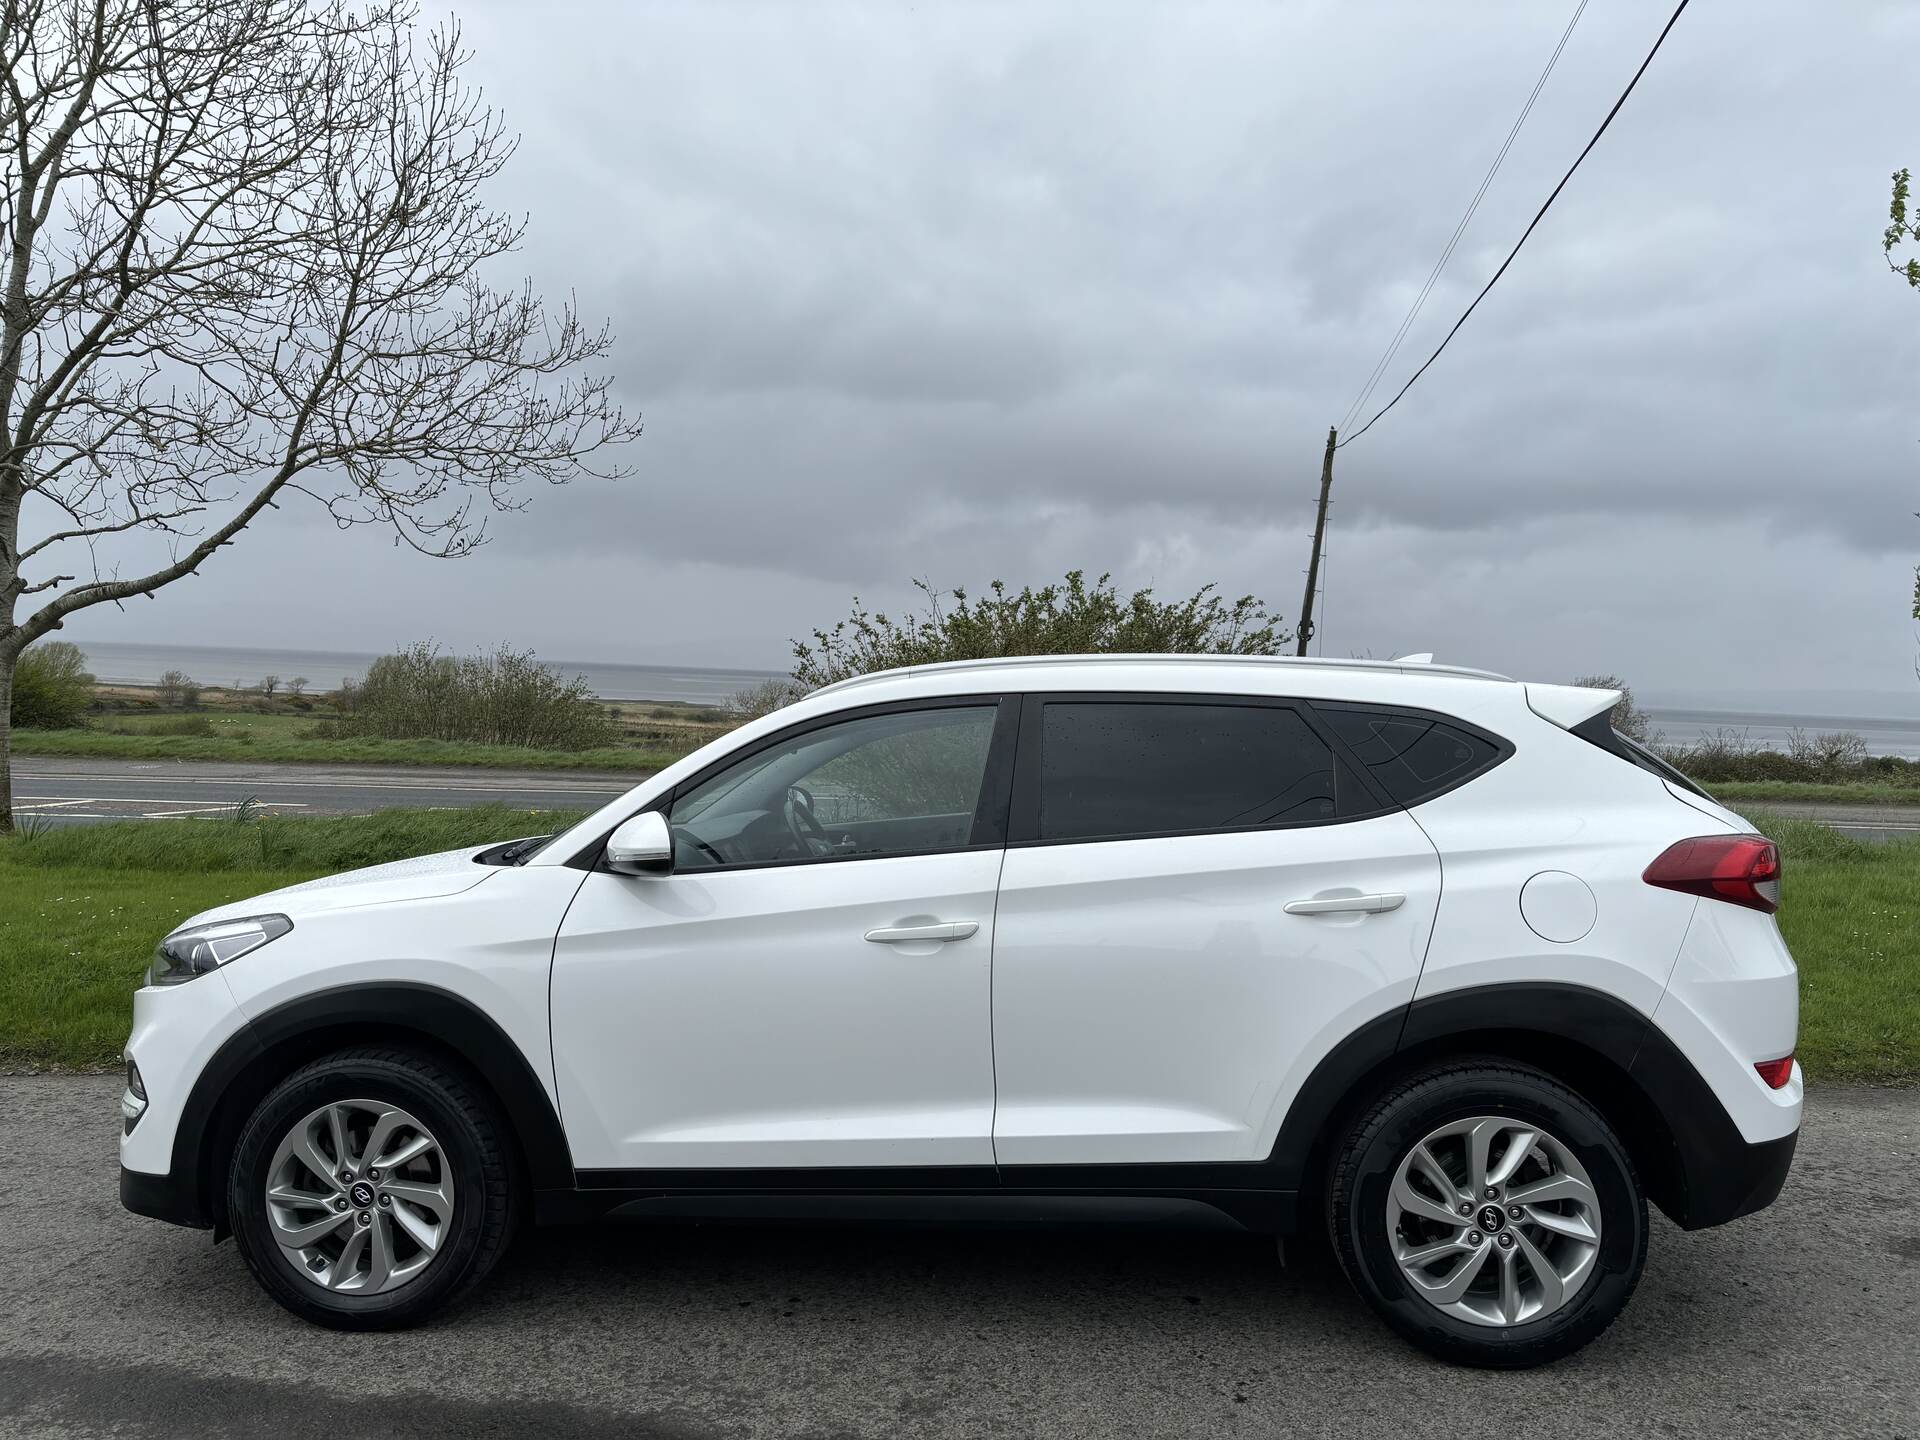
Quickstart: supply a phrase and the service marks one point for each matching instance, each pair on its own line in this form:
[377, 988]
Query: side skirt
[976, 1196]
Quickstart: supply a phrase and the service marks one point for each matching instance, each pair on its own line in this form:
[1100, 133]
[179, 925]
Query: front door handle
[943, 930]
[1336, 904]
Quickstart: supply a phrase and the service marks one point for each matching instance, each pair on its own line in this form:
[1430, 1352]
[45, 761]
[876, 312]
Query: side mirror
[641, 846]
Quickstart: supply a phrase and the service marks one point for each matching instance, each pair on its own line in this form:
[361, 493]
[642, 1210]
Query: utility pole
[1304, 631]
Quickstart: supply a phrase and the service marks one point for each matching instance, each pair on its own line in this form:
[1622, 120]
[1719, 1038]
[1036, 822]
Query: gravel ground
[1804, 1320]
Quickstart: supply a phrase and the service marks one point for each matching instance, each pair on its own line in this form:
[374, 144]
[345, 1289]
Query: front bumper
[162, 1197]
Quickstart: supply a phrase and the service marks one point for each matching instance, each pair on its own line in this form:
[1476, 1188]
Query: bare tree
[1628, 718]
[296, 687]
[177, 690]
[243, 258]
[269, 684]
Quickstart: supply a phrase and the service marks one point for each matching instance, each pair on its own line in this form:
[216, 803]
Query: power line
[1433, 276]
[1671, 21]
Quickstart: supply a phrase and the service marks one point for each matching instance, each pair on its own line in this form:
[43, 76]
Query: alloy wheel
[1493, 1221]
[359, 1197]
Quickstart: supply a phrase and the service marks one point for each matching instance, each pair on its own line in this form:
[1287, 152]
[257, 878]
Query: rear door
[1199, 899]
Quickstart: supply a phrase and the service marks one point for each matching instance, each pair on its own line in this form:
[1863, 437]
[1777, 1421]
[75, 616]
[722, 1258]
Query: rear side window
[1110, 769]
[1412, 756]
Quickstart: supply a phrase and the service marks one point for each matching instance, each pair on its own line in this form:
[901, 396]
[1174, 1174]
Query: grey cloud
[971, 291]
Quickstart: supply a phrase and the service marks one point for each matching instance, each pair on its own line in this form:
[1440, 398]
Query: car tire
[1544, 1281]
[430, 1227]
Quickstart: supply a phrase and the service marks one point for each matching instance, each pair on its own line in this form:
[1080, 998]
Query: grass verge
[80, 910]
[1851, 792]
[291, 749]
[1850, 912]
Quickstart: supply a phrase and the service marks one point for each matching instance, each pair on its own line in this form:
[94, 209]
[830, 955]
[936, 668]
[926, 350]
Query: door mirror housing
[642, 845]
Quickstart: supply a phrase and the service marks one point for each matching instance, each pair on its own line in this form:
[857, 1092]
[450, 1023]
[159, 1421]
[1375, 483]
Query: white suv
[1420, 954]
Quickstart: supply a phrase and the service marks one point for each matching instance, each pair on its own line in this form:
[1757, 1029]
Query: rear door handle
[1336, 904]
[944, 930]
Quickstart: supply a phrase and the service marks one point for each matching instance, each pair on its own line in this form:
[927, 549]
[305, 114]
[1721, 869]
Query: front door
[811, 984]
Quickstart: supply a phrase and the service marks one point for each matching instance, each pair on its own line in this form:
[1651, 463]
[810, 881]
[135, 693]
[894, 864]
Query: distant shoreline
[1895, 731]
[139, 665]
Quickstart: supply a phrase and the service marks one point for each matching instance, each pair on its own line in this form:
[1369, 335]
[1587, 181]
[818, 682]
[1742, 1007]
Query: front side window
[895, 784]
[1111, 769]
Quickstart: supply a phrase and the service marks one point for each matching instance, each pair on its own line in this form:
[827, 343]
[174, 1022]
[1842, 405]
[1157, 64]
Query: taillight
[1742, 869]
[1776, 1073]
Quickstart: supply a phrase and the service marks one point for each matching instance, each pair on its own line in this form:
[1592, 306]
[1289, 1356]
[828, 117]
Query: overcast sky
[969, 290]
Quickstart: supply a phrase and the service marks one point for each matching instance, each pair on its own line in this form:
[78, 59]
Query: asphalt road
[1803, 1320]
[1861, 822]
[62, 791]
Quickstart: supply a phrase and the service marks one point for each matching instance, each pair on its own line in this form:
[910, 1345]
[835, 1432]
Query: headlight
[187, 953]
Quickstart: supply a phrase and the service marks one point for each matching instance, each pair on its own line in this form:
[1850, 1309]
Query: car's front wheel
[370, 1188]
[1489, 1214]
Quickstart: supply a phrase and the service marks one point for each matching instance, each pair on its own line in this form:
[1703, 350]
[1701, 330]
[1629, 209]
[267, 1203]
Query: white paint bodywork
[1152, 1001]
[742, 1017]
[1136, 1000]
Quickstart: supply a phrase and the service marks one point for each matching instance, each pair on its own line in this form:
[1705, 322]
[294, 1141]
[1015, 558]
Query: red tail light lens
[1776, 1072]
[1741, 869]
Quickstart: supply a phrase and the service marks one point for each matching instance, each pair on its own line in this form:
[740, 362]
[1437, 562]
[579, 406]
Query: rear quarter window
[1411, 755]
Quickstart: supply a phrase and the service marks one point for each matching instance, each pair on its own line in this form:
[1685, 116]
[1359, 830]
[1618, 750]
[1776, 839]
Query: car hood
[422, 878]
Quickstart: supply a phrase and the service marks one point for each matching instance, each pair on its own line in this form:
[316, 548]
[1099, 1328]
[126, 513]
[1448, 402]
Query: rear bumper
[162, 1197]
[1714, 1173]
[1735, 1182]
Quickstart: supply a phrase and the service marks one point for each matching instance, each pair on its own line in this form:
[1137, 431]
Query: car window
[1110, 769]
[893, 784]
[1413, 756]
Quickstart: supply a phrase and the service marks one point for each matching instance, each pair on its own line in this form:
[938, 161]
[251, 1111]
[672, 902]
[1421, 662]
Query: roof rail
[1409, 666]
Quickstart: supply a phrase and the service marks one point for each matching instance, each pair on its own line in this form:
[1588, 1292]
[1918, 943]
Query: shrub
[1067, 618]
[505, 698]
[762, 699]
[1726, 756]
[51, 687]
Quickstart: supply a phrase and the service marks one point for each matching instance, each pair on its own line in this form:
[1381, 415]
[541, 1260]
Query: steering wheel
[803, 825]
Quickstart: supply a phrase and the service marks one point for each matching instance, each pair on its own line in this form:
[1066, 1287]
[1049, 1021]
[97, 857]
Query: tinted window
[1110, 769]
[880, 785]
[1414, 757]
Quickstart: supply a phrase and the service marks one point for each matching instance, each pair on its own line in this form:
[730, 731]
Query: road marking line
[587, 787]
[213, 807]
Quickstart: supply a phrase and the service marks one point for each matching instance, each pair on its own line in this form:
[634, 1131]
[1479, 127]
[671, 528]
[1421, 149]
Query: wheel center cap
[1492, 1219]
[362, 1194]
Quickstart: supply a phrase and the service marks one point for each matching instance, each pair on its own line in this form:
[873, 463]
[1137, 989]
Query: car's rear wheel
[1489, 1214]
[370, 1189]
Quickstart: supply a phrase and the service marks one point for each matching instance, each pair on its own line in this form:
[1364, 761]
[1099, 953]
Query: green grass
[271, 738]
[1851, 792]
[1850, 912]
[80, 909]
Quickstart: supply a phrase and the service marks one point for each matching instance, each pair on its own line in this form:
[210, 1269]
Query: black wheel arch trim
[1691, 1157]
[1696, 1165]
[267, 1048]
[1693, 1160]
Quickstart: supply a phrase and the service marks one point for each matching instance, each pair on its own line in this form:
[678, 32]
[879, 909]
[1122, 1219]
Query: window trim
[990, 813]
[1503, 747]
[1024, 822]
